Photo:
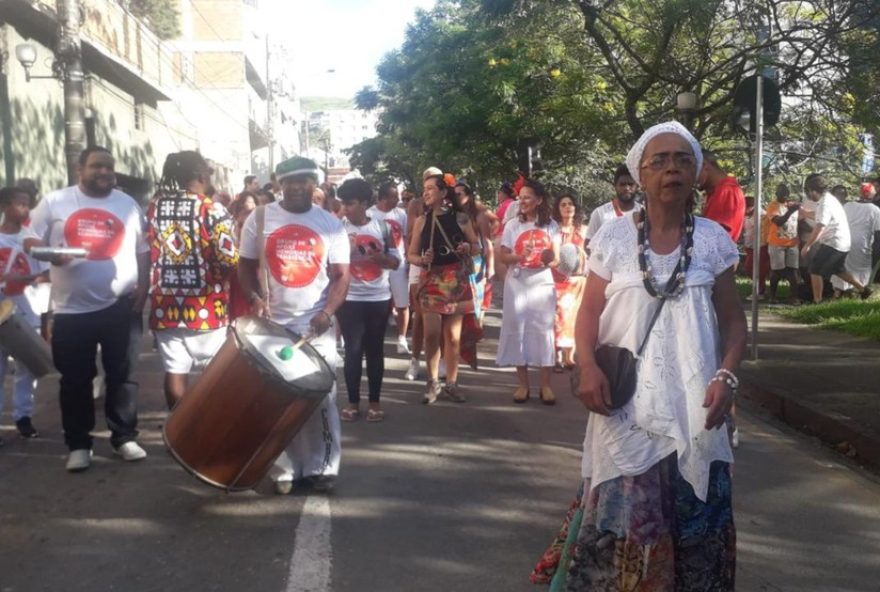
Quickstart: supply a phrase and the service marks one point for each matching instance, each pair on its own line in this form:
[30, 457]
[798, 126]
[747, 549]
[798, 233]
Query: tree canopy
[475, 80]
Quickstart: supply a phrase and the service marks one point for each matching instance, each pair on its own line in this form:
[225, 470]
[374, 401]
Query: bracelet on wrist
[727, 373]
[725, 380]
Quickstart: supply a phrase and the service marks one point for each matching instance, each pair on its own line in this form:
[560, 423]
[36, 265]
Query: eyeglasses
[681, 160]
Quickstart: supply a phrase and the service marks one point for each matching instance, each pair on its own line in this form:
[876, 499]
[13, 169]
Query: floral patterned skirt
[446, 290]
[647, 533]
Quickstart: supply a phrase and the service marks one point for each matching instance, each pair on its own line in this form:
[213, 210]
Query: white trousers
[22, 389]
[317, 448]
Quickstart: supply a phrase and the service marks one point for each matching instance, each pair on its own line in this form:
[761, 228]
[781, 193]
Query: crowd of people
[642, 275]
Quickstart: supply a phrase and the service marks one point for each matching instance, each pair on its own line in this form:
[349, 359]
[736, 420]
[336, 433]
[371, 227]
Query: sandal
[375, 415]
[349, 414]
[521, 394]
[546, 395]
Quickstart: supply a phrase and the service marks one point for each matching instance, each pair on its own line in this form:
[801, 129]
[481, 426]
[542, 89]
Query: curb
[841, 432]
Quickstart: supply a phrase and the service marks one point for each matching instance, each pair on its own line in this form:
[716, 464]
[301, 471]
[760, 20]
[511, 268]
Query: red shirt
[727, 206]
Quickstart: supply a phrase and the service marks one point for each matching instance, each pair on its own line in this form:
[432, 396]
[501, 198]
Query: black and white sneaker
[26, 428]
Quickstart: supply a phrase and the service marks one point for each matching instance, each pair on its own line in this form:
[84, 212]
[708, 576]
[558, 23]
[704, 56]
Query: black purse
[618, 364]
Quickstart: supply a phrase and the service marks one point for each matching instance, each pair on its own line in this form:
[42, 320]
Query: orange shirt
[785, 235]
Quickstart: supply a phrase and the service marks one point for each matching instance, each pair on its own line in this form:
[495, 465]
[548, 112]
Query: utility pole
[270, 123]
[69, 54]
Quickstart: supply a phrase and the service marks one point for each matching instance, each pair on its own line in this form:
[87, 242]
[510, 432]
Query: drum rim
[271, 373]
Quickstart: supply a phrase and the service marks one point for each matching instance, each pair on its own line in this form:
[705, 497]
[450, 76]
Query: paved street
[452, 498]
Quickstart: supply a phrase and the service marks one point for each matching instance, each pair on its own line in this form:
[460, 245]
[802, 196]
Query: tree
[160, 15]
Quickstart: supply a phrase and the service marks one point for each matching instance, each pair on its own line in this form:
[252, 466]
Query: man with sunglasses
[725, 201]
[193, 255]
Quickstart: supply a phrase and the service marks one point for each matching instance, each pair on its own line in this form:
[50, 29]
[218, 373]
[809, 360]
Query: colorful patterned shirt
[193, 254]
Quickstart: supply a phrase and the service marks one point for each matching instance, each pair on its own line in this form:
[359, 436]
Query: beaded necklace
[675, 285]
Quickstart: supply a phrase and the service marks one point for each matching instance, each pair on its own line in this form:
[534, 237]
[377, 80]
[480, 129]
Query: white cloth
[634, 156]
[784, 258]
[398, 278]
[666, 414]
[396, 221]
[863, 218]
[14, 260]
[830, 214]
[369, 280]
[527, 336]
[603, 214]
[808, 206]
[112, 230]
[317, 447]
[299, 248]
[183, 350]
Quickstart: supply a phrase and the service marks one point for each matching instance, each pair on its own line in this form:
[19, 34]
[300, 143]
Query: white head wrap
[634, 157]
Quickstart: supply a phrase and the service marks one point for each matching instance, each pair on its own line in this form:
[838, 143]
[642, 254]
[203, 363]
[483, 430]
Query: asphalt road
[446, 498]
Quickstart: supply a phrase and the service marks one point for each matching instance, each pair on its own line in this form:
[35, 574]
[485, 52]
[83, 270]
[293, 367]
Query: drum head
[7, 309]
[273, 349]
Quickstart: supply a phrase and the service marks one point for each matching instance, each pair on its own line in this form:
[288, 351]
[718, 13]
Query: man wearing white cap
[306, 254]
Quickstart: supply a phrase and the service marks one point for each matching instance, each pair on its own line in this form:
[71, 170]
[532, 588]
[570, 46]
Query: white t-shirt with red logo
[299, 247]
[396, 221]
[369, 281]
[519, 235]
[110, 228]
[13, 260]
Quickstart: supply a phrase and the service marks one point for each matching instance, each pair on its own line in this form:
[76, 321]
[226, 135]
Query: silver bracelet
[728, 374]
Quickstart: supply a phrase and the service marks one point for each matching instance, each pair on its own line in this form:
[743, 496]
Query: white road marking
[311, 559]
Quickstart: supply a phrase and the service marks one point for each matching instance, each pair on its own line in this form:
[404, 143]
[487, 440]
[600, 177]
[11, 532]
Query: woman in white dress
[529, 250]
[655, 511]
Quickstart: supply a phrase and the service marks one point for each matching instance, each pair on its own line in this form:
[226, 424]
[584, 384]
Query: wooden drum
[248, 405]
[23, 342]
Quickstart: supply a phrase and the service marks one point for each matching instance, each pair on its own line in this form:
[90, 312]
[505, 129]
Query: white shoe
[402, 345]
[79, 460]
[441, 370]
[413, 372]
[130, 451]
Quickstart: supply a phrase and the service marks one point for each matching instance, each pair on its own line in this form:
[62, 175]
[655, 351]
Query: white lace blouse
[666, 413]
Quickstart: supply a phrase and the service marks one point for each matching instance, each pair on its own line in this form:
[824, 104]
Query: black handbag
[618, 364]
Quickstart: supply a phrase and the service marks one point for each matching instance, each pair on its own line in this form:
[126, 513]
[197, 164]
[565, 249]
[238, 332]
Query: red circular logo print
[396, 233]
[536, 241]
[97, 231]
[294, 254]
[19, 267]
[362, 267]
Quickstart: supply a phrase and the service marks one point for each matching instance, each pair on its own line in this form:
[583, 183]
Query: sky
[348, 36]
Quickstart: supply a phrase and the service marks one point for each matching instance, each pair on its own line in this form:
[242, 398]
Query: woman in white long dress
[656, 508]
[529, 250]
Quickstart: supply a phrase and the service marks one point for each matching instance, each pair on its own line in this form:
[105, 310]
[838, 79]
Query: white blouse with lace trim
[666, 413]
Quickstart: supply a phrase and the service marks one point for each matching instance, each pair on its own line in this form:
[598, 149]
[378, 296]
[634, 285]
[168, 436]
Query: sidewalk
[825, 383]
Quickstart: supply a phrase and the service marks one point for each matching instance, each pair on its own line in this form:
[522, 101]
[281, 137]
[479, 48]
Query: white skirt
[527, 337]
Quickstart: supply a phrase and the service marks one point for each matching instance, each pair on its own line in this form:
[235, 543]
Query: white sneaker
[79, 460]
[402, 345]
[441, 370]
[130, 451]
[413, 372]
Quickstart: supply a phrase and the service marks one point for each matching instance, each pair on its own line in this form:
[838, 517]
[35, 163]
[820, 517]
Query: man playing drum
[193, 254]
[98, 300]
[304, 251]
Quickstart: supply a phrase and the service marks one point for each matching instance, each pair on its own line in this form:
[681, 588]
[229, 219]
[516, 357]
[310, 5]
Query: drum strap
[262, 272]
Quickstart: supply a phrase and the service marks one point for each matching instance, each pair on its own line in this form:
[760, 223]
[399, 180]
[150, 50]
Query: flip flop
[349, 414]
[375, 415]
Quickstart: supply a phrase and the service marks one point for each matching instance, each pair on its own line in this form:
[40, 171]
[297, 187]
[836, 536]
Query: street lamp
[26, 54]
[686, 105]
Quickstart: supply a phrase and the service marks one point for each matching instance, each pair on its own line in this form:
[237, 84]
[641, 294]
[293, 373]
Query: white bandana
[634, 157]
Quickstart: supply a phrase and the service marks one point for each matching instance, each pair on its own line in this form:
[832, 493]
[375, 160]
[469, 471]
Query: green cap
[297, 165]
[285, 353]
